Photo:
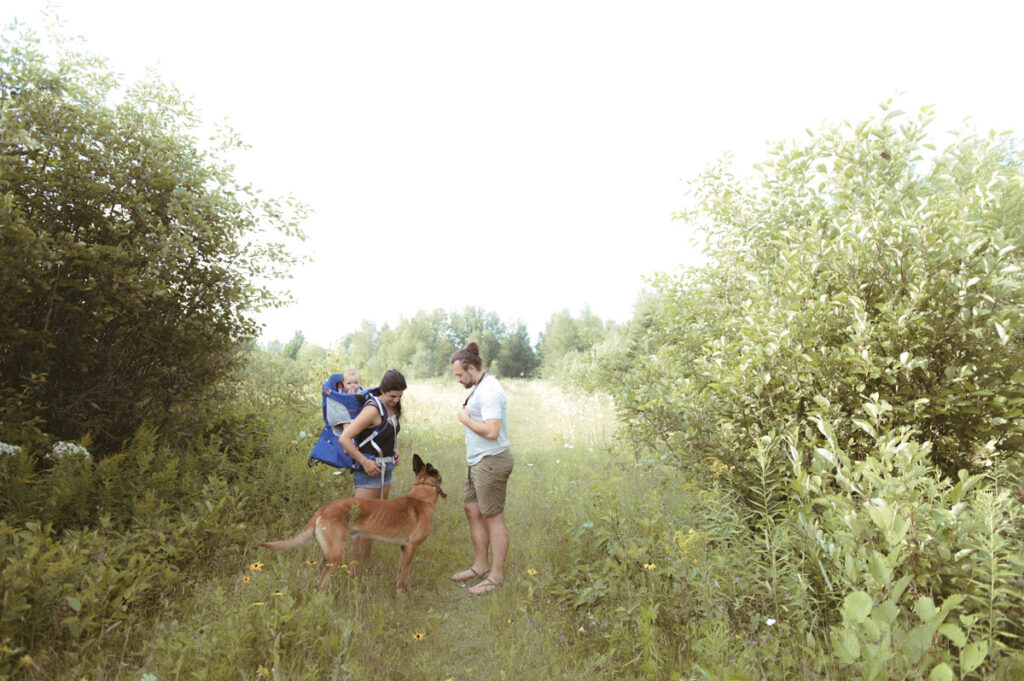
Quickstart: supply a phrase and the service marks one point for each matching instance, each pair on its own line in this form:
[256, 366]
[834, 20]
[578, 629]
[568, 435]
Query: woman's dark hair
[469, 356]
[393, 380]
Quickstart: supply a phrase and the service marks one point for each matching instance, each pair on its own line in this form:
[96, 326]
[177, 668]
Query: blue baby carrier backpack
[338, 409]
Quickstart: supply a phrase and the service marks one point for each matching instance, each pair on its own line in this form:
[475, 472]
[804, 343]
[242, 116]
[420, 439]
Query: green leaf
[845, 644]
[954, 633]
[1004, 338]
[916, 643]
[882, 515]
[865, 426]
[925, 608]
[74, 603]
[857, 606]
[941, 672]
[972, 656]
[880, 571]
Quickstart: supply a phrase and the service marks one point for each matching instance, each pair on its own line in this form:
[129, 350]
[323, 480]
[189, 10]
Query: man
[485, 416]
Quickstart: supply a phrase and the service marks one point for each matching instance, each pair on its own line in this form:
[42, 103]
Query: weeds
[619, 566]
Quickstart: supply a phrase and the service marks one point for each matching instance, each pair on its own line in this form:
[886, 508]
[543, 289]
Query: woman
[374, 480]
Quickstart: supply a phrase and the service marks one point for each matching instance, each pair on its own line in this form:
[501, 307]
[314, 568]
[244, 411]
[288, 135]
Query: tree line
[421, 346]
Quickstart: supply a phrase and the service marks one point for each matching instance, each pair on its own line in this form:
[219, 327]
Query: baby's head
[350, 382]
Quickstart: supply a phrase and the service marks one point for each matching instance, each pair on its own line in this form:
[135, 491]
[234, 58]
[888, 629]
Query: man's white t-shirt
[487, 402]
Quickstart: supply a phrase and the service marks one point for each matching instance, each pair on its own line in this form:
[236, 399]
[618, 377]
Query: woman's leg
[361, 546]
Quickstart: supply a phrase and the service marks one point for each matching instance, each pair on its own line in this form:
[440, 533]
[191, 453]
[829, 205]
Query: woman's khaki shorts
[486, 482]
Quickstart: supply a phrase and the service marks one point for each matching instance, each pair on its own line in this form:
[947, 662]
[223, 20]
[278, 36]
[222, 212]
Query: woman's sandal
[473, 574]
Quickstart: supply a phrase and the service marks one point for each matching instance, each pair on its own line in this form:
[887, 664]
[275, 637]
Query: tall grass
[243, 612]
[619, 567]
[262, 619]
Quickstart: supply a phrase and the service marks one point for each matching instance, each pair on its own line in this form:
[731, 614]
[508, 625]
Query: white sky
[526, 157]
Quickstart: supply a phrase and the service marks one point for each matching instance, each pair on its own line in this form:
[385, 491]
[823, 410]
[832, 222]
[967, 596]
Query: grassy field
[259, 617]
[619, 567]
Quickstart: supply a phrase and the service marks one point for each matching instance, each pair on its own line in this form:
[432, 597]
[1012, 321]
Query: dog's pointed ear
[417, 464]
[431, 470]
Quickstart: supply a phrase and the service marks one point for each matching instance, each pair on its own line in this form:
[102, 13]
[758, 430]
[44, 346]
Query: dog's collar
[428, 483]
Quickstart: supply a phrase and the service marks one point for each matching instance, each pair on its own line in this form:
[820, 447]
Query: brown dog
[404, 521]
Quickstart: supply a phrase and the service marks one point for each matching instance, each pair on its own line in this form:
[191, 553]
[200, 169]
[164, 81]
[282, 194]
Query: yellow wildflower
[277, 593]
[246, 579]
[419, 635]
[25, 661]
[258, 604]
[719, 468]
[531, 572]
[256, 567]
[650, 566]
[262, 672]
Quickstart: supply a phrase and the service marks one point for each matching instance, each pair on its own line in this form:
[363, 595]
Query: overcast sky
[526, 157]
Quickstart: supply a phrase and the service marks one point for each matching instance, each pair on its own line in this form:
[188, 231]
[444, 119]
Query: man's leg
[497, 533]
[492, 490]
[478, 533]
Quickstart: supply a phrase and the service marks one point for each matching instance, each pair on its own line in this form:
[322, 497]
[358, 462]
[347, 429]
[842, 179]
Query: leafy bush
[129, 253]
[858, 265]
[90, 546]
[849, 361]
[899, 543]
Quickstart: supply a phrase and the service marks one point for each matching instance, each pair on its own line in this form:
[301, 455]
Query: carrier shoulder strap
[371, 438]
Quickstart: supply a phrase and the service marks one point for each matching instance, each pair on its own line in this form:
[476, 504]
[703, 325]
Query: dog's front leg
[402, 581]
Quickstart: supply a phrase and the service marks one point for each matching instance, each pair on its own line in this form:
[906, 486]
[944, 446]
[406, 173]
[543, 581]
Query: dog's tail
[292, 542]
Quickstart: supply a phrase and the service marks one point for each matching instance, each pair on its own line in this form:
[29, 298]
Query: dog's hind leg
[333, 540]
[328, 566]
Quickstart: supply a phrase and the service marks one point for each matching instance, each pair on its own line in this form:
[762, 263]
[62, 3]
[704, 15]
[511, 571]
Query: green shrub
[849, 358]
[856, 265]
[18, 479]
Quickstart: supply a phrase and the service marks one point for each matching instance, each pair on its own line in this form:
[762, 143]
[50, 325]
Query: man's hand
[490, 428]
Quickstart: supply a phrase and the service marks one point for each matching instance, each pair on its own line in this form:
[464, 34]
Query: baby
[350, 382]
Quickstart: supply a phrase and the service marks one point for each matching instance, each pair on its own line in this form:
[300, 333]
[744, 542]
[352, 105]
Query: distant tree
[310, 353]
[291, 349]
[475, 324]
[517, 357]
[359, 350]
[420, 346]
[565, 335]
[129, 253]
